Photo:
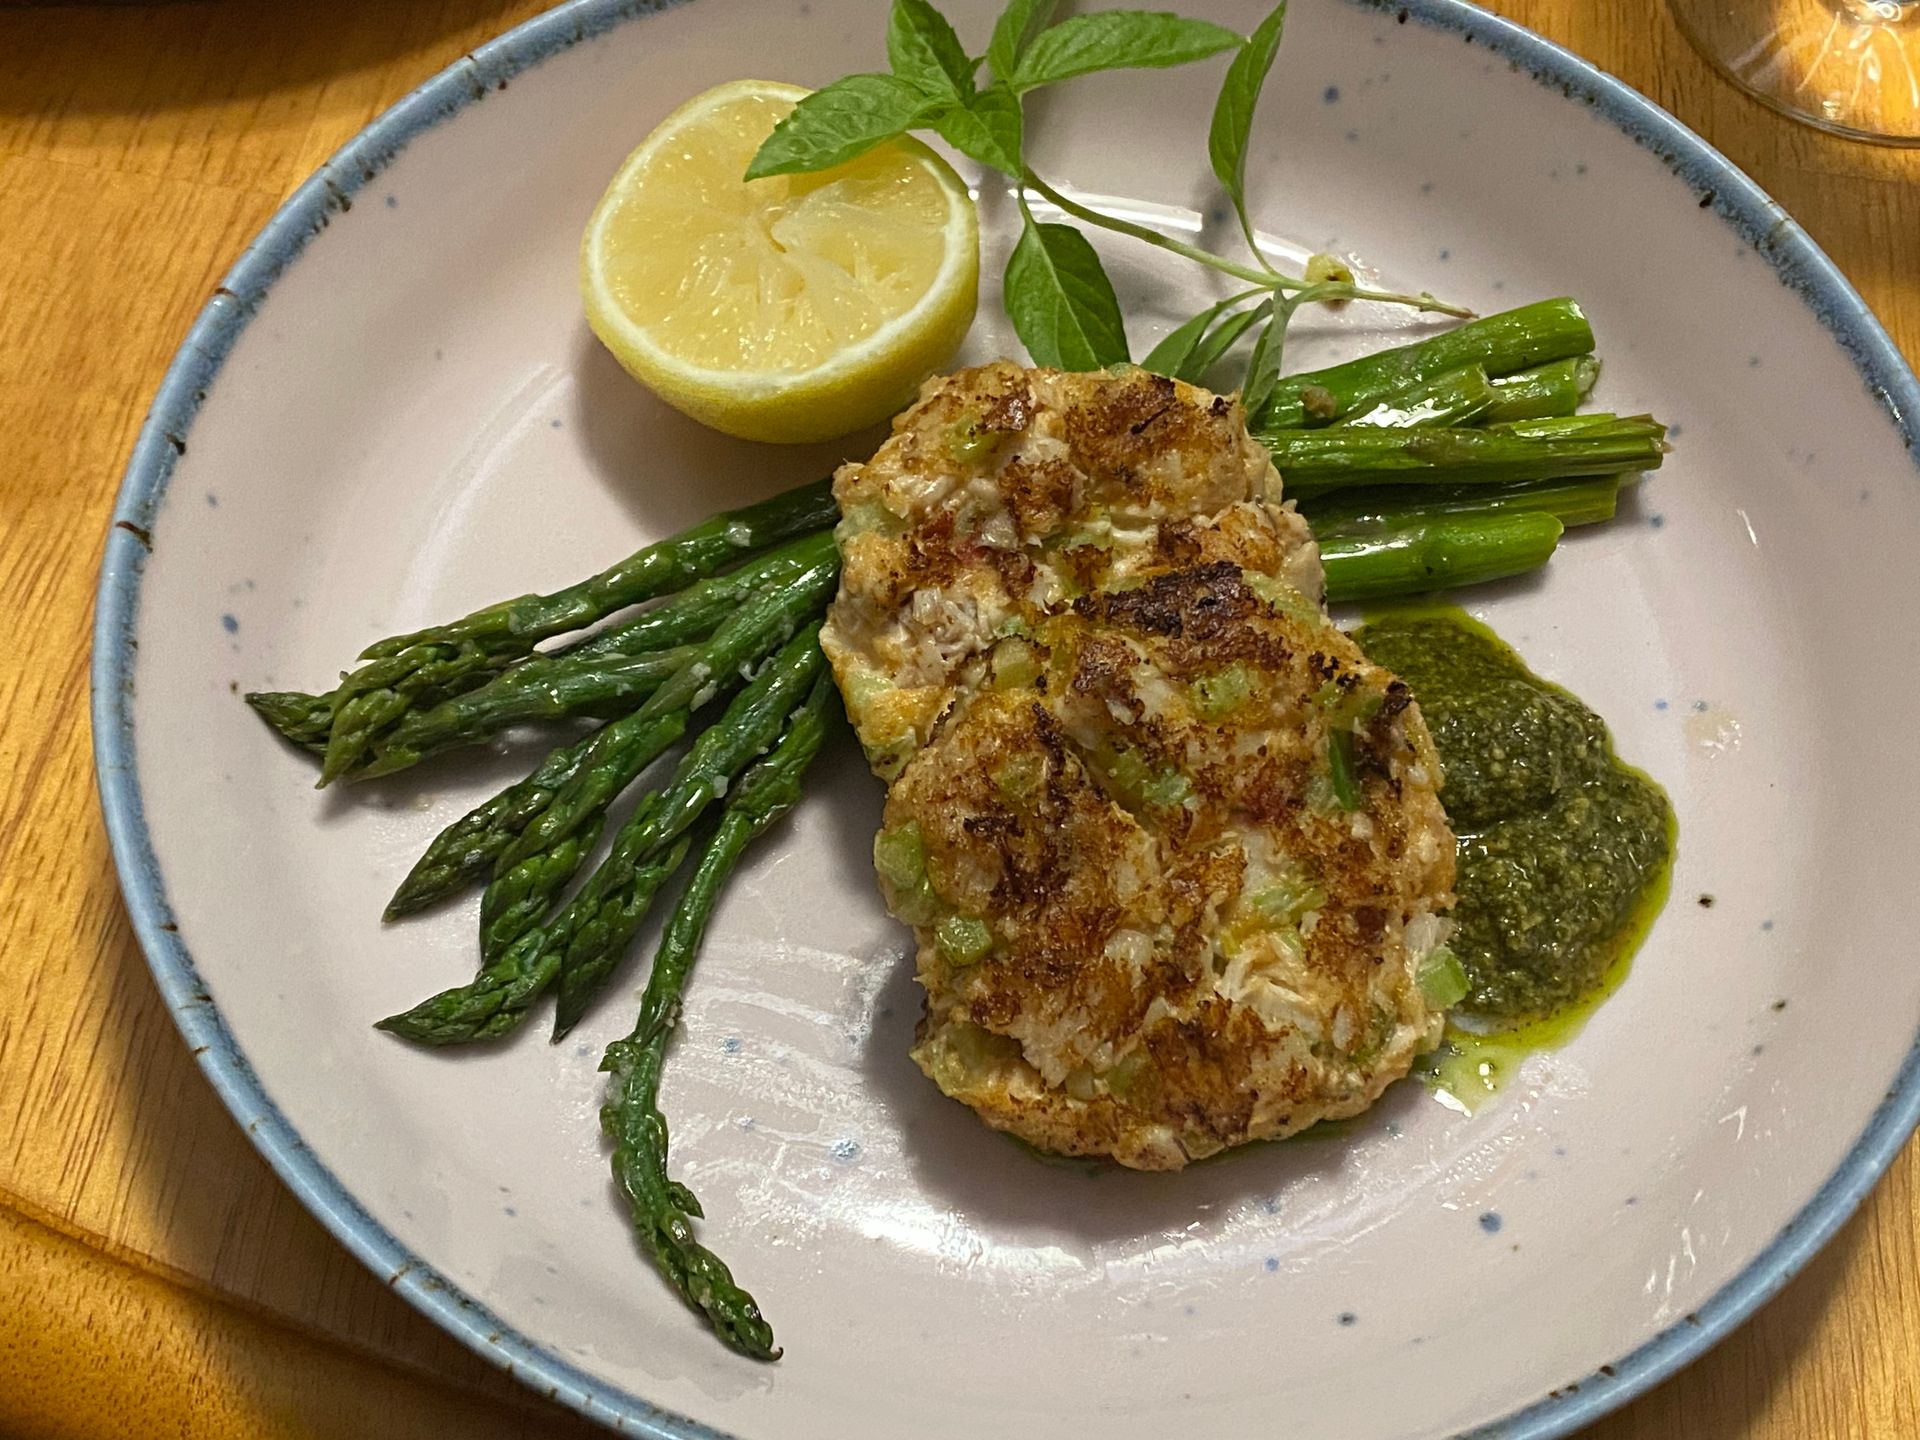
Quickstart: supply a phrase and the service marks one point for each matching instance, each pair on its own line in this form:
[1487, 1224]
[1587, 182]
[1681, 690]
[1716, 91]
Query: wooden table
[143, 1245]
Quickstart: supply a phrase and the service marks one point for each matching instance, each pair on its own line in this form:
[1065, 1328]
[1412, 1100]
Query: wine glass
[1850, 66]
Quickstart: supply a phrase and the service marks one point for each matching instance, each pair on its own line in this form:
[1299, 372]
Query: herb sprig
[1056, 291]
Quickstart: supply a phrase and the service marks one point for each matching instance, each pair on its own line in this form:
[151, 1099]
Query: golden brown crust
[1081, 636]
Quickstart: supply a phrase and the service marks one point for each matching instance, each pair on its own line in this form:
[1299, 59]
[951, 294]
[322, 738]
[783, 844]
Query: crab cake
[1171, 847]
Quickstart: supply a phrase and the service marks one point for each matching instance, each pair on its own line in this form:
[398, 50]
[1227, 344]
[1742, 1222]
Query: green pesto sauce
[1565, 851]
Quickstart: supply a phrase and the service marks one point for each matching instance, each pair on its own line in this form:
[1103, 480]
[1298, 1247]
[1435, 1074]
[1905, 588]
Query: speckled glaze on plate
[392, 411]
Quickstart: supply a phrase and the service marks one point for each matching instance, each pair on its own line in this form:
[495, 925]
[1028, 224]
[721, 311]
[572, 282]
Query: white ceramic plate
[393, 412]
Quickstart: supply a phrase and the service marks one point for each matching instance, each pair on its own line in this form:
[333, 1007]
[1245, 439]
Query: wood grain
[141, 1240]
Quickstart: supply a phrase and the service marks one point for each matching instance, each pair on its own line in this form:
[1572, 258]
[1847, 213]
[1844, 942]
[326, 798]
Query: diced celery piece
[1199, 1144]
[962, 939]
[1286, 900]
[890, 759]
[1167, 790]
[1088, 537]
[1127, 772]
[900, 854]
[1135, 784]
[1442, 978]
[1015, 665]
[866, 686]
[1133, 1076]
[1283, 597]
[1320, 796]
[865, 517]
[1020, 778]
[968, 442]
[1288, 939]
[1218, 695]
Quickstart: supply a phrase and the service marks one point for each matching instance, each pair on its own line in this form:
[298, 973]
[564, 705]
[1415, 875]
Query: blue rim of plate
[1577, 1401]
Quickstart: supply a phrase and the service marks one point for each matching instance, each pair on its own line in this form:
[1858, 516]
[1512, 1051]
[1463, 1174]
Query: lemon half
[794, 308]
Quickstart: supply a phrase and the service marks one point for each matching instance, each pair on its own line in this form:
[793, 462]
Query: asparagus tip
[423, 1029]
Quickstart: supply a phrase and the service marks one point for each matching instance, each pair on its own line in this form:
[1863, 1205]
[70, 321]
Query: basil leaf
[1060, 300]
[1118, 40]
[833, 125]
[1172, 354]
[1013, 30]
[1232, 127]
[924, 51]
[1208, 352]
[1263, 367]
[985, 128]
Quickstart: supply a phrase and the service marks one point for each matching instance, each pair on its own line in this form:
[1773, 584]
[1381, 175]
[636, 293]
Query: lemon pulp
[795, 307]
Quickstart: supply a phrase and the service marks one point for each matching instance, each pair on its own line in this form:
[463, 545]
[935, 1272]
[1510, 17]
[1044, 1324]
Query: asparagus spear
[525, 884]
[379, 692]
[620, 752]
[752, 723]
[299, 718]
[468, 848]
[305, 719]
[663, 1210]
[659, 569]
[1499, 344]
[699, 609]
[427, 676]
[534, 867]
[1436, 555]
[1584, 501]
[596, 685]
[615, 670]
[518, 900]
[496, 1000]
[520, 963]
[1528, 450]
[1455, 398]
[1554, 389]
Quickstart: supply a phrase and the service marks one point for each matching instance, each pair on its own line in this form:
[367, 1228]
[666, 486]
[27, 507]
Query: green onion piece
[1346, 790]
[1348, 706]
